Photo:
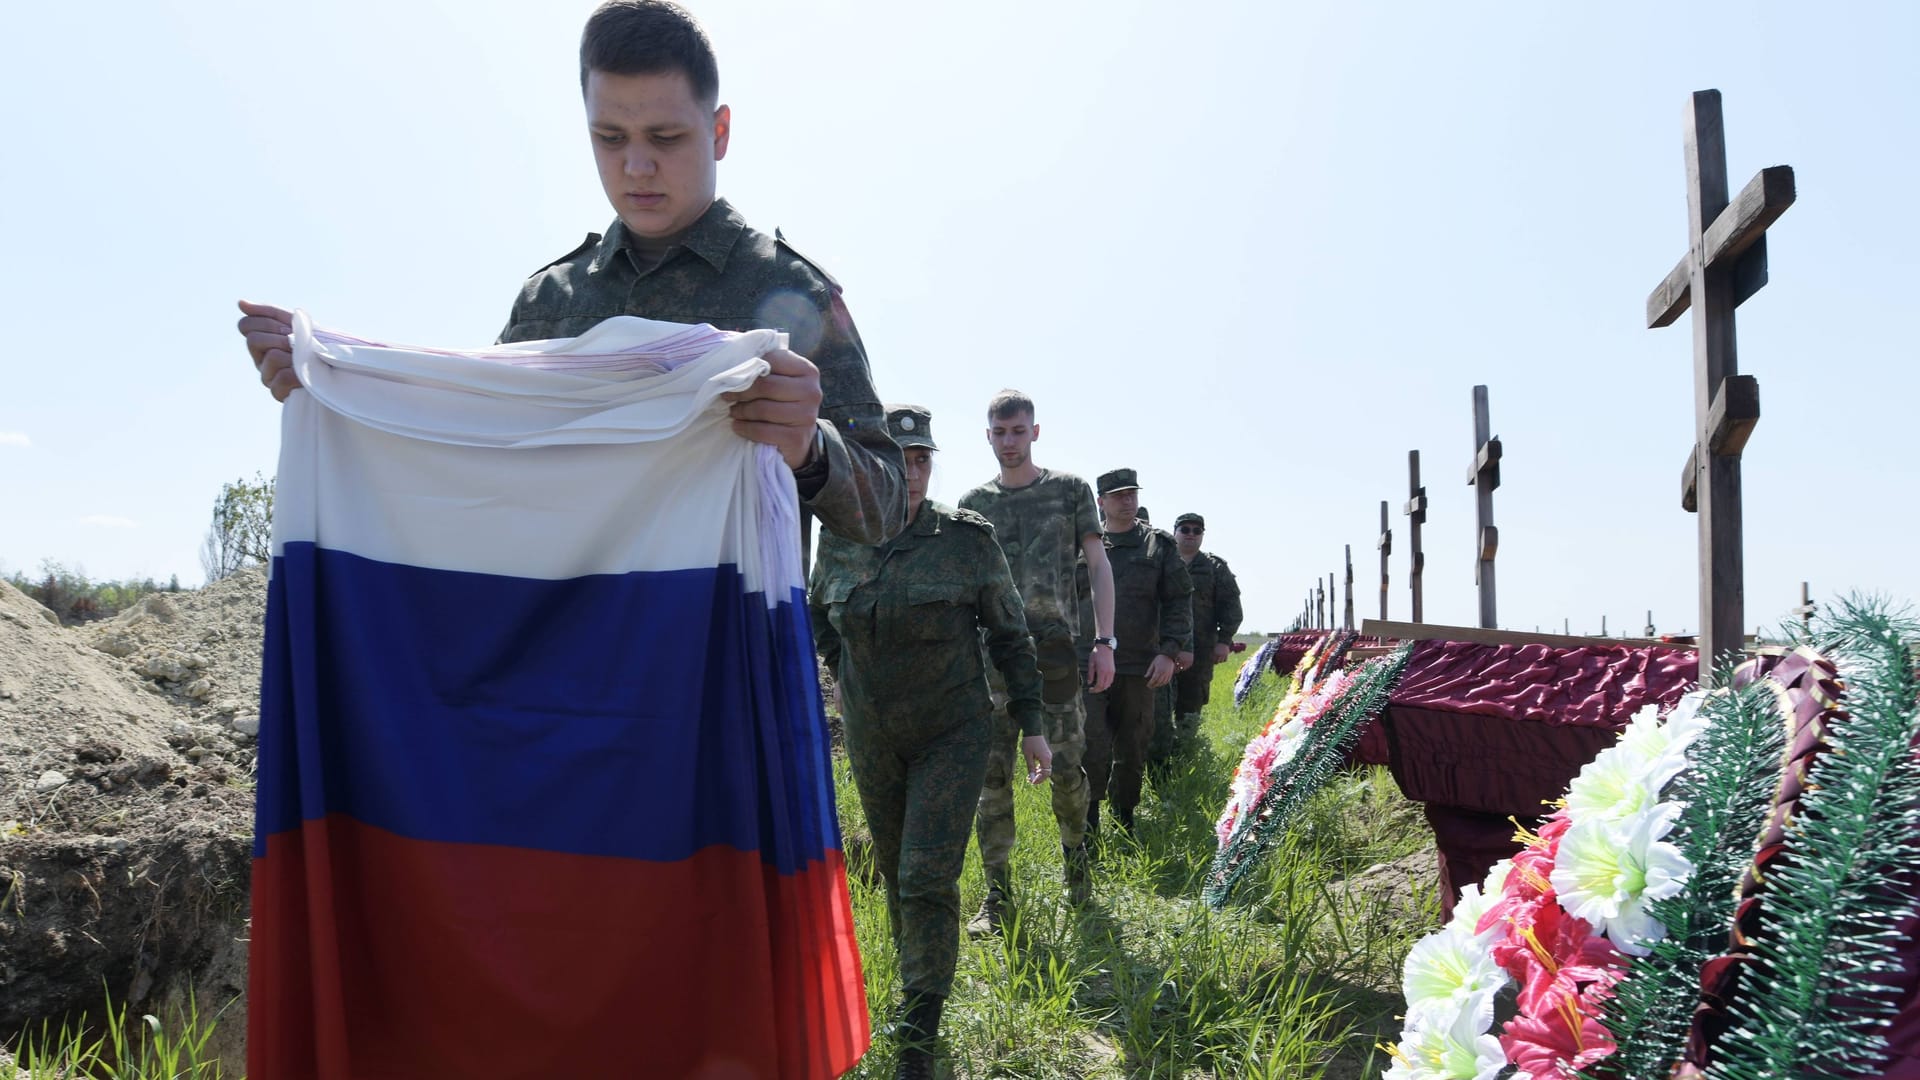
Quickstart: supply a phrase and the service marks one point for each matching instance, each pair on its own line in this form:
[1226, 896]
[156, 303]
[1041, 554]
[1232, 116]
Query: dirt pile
[126, 804]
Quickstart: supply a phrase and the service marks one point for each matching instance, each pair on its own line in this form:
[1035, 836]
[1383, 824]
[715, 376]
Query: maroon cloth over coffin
[1287, 654]
[1481, 732]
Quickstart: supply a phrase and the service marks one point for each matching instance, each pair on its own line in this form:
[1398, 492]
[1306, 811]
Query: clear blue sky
[1257, 251]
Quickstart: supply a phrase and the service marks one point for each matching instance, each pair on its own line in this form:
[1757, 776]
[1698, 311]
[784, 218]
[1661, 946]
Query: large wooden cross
[1347, 622]
[1483, 478]
[1417, 515]
[1386, 549]
[1725, 263]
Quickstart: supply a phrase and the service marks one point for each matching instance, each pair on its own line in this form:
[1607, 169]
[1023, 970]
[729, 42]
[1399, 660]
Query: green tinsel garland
[1727, 791]
[1322, 748]
[1814, 1004]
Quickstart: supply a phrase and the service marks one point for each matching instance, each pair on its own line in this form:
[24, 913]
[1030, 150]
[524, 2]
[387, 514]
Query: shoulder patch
[1218, 561]
[781, 239]
[968, 517]
[592, 239]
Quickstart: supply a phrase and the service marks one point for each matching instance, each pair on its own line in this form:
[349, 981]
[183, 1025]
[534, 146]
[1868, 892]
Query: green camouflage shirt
[900, 625]
[1151, 612]
[1040, 527]
[734, 277]
[1216, 601]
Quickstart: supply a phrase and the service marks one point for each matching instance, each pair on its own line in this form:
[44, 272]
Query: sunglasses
[1191, 530]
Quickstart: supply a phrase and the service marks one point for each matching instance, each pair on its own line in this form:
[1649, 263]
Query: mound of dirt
[126, 805]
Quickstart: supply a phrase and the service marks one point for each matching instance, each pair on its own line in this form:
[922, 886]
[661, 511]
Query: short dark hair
[1007, 404]
[649, 37]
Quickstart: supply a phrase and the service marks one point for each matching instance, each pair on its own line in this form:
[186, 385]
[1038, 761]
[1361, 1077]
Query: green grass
[130, 1049]
[1297, 979]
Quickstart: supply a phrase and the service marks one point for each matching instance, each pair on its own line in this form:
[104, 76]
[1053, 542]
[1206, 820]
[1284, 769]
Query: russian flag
[544, 786]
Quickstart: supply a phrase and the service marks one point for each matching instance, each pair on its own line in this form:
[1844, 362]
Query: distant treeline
[76, 599]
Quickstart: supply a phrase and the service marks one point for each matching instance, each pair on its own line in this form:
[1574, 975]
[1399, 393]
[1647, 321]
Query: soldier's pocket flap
[835, 591]
[936, 592]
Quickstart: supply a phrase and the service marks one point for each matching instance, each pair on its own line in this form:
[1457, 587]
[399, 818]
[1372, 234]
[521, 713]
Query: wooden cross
[1416, 517]
[1319, 606]
[1333, 601]
[1386, 549]
[1347, 623]
[1417, 514]
[1484, 477]
[1805, 611]
[1725, 263]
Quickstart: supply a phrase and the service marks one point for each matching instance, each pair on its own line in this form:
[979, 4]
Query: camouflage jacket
[1216, 602]
[900, 624]
[1039, 527]
[727, 274]
[1152, 614]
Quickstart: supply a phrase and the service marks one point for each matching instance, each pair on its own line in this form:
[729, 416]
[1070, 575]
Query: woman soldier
[900, 627]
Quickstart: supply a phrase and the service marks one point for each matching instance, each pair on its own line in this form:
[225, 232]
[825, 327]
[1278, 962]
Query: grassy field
[1299, 978]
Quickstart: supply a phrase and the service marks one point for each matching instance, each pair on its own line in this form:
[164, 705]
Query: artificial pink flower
[1558, 1041]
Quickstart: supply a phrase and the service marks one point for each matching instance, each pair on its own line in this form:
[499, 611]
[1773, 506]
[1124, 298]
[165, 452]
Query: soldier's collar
[925, 523]
[711, 237]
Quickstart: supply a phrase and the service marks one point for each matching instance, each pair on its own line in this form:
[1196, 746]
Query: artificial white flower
[1612, 787]
[1446, 972]
[1663, 744]
[1456, 1052]
[1607, 872]
[1468, 910]
[1495, 882]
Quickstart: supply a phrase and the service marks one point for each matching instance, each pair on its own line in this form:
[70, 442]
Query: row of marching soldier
[1087, 617]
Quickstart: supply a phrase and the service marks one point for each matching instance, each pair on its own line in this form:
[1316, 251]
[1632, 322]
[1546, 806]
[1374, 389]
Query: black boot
[1076, 867]
[919, 1032]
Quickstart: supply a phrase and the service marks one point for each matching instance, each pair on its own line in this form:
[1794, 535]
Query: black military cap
[911, 425]
[1194, 519]
[1142, 514]
[1118, 480]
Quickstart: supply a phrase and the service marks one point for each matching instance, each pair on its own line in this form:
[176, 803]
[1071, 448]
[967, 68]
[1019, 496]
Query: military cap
[911, 425]
[1142, 514]
[1195, 519]
[1118, 480]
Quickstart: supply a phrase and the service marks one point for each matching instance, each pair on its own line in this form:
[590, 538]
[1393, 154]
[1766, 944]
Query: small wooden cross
[1386, 549]
[1483, 478]
[1805, 611]
[1347, 623]
[1417, 514]
[1319, 606]
[1725, 263]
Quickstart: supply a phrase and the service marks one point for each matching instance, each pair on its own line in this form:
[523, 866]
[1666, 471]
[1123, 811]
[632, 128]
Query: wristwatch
[1112, 644]
[815, 465]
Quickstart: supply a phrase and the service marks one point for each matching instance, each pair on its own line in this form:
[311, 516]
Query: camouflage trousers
[919, 793]
[1067, 738]
[1173, 706]
[1119, 731]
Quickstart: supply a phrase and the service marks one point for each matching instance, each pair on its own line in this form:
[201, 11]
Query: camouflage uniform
[1216, 618]
[725, 273]
[899, 624]
[1152, 616]
[1040, 527]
